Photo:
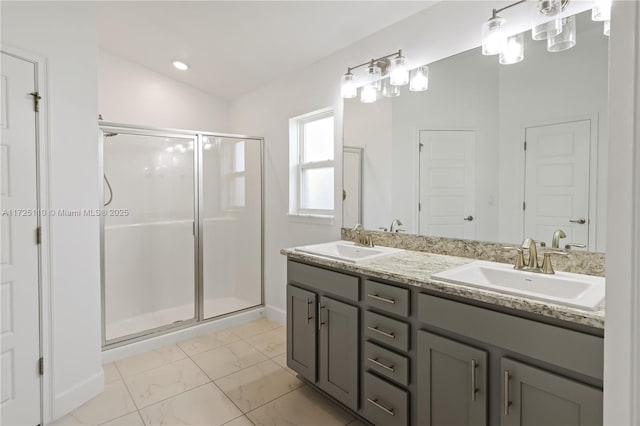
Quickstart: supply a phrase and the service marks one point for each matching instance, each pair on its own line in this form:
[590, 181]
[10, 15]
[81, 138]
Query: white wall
[267, 111]
[132, 94]
[65, 35]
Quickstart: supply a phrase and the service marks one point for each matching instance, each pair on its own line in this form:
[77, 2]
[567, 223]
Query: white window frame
[298, 165]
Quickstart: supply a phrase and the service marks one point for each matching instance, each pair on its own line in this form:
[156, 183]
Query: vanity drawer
[332, 282]
[387, 298]
[386, 330]
[573, 350]
[384, 403]
[386, 363]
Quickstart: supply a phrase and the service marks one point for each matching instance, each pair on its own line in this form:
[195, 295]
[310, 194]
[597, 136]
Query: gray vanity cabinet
[301, 332]
[339, 350]
[452, 382]
[532, 396]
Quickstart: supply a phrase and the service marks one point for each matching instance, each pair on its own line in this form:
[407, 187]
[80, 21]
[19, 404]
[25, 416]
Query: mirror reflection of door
[352, 158]
[447, 183]
[557, 188]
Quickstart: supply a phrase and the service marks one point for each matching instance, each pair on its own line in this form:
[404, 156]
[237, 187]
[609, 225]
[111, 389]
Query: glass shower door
[231, 221]
[149, 241]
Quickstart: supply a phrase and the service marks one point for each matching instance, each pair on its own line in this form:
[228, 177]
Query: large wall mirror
[452, 162]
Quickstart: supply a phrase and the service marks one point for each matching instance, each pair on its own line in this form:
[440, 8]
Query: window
[311, 155]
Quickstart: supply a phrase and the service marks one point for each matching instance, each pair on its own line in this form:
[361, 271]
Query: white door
[557, 182]
[351, 186]
[447, 183]
[20, 334]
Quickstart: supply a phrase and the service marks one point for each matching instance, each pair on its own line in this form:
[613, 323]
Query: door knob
[469, 218]
[580, 221]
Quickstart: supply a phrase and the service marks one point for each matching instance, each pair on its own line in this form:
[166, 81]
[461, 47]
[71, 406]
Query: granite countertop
[415, 268]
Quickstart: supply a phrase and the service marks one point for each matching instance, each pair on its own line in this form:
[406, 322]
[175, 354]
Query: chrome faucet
[395, 226]
[555, 243]
[362, 238]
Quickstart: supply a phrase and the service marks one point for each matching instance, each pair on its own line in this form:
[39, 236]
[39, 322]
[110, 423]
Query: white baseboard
[111, 355]
[72, 398]
[276, 314]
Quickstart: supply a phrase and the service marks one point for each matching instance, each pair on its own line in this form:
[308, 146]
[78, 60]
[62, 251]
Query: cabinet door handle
[309, 317]
[506, 401]
[382, 299]
[380, 364]
[474, 387]
[382, 407]
[320, 323]
[384, 333]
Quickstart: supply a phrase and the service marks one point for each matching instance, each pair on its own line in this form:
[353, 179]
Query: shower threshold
[177, 314]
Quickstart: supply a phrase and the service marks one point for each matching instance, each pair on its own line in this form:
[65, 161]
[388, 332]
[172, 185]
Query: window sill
[311, 218]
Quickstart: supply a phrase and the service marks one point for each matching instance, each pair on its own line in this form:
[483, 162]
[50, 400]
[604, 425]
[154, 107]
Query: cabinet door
[452, 382]
[302, 332]
[531, 396]
[339, 351]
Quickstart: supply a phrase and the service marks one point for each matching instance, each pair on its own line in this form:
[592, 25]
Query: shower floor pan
[151, 320]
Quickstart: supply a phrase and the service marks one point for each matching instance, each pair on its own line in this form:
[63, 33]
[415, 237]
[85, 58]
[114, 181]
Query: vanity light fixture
[419, 79]
[514, 51]
[602, 12]
[385, 74]
[566, 39]
[180, 65]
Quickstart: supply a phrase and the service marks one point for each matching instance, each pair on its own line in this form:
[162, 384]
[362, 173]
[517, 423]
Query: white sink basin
[563, 288]
[347, 251]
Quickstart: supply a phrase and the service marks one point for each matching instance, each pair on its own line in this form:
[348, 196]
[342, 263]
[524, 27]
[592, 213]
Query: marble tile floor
[233, 377]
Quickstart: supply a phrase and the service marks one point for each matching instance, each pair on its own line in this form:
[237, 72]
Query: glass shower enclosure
[182, 237]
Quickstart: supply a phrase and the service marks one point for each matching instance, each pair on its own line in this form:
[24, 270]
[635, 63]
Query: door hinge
[41, 366]
[36, 101]
[524, 205]
[420, 145]
[344, 195]
[525, 145]
[419, 207]
[39, 235]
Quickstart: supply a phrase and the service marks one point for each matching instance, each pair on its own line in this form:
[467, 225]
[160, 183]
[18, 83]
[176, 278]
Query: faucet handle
[519, 263]
[547, 266]
[570, 246]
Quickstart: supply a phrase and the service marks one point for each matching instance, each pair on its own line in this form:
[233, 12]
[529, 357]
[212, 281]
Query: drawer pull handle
[506, 401]
[382, 299]
[474, 387]
[384, 333]
[382, 407]
[380, 364]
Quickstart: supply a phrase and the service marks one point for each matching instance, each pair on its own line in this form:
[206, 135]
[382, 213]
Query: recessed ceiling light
[180, 65]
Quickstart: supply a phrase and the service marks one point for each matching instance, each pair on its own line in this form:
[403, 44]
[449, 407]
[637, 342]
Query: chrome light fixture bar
[391, 68]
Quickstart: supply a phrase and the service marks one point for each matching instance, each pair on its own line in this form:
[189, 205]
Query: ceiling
[234, 47]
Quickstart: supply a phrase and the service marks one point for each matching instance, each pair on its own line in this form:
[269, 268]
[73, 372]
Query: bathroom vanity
[388, 342]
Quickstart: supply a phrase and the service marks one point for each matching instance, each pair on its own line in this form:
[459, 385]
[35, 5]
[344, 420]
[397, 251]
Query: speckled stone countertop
[415, 268]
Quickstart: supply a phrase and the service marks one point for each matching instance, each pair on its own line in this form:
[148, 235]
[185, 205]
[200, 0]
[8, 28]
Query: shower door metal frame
[197, 138]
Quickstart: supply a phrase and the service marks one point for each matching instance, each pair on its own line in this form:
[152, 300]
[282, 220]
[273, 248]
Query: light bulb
[419, 79]
[399, 72]
[389, 90]
[348, 89]
[369, 93]
[493, 38]
[514, 51]
[607, 28]
[601, 10]
[566, 39]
